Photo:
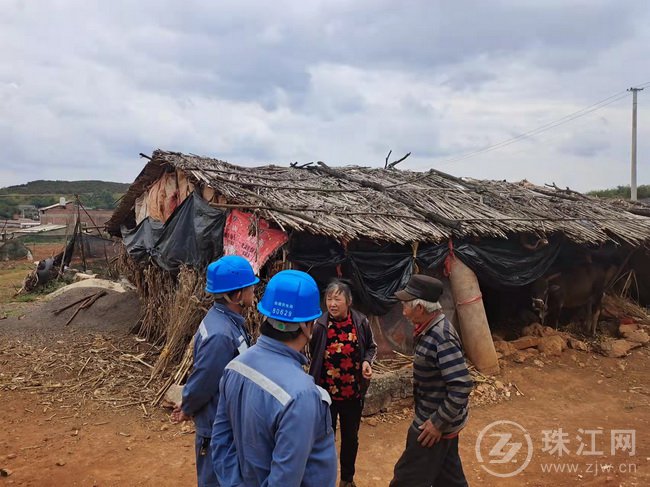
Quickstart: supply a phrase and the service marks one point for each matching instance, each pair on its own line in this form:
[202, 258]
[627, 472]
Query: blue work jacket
[273, 426]
[220, 338]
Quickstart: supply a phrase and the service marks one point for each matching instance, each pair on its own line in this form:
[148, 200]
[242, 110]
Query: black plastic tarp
[193, 235]
[432, 256]
[313, 251]
[496, 262]
[141, 240]
[506, 263]
[374, 271]
[378, 275]
[377, 271]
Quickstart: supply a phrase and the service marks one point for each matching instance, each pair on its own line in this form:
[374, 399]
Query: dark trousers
[349, 413]
[204, 471]
[438, 466]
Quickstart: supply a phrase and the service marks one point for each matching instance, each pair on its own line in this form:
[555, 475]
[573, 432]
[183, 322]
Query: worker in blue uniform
[220, 338]
[273, 425]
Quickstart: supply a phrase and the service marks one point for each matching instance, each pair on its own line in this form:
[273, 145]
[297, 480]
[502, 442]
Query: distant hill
[622, 192]
[93, 194]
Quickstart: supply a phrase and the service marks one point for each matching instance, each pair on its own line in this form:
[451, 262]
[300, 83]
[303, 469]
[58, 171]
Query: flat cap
[421, 287]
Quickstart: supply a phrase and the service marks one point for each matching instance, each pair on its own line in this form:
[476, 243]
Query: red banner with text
[251, 237]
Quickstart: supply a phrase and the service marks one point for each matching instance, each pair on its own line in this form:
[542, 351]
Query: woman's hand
[366, 370]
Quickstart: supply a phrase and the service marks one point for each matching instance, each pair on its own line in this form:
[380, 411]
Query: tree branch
[387, 157]
[395, 163]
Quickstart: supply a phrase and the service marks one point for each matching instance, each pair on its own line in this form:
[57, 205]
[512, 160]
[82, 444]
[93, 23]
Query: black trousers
[349, 413]
[438, 466]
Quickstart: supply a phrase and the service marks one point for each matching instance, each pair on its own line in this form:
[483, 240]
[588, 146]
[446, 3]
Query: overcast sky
[87, 85]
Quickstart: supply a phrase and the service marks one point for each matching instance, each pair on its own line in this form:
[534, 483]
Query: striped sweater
[441, 381]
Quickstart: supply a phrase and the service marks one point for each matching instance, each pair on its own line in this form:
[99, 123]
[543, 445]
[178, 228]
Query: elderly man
[342, 351]
[220, 338]
[441, 387]
[273, 426]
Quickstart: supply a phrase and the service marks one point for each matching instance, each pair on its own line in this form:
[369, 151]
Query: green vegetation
[40, 291]
[622, 192]
[93, 194]
[56, 188]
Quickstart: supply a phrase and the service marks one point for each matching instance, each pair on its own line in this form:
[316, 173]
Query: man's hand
[178, 416]
[366, 370]
[430, 434]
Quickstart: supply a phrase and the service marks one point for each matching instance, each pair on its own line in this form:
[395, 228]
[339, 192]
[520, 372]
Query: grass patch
[26, 298]
[11, 279]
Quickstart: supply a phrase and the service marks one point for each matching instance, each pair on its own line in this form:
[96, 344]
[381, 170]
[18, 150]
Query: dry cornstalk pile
[123, 265]
[156, 293]
[182, 311]
[95, 367]
[620, 307]
[182, 370]
[190, 310]
[171, 307]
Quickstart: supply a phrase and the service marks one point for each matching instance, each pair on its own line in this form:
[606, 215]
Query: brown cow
[574, 288]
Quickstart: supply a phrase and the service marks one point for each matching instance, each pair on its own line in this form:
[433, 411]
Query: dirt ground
[77, 414]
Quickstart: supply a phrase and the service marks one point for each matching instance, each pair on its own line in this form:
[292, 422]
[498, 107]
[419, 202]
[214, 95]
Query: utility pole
[633, 180]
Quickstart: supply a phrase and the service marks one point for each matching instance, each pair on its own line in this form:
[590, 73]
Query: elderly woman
[342, 351]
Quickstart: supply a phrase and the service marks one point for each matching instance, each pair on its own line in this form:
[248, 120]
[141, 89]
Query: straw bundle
[158, 288]
[178, 377]
[184, 309]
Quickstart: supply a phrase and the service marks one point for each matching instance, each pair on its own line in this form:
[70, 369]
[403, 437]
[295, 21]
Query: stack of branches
[29, 283]
[399, 361]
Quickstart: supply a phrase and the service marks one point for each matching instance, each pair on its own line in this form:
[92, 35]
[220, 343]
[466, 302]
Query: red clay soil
[104, 446]
[50, 439]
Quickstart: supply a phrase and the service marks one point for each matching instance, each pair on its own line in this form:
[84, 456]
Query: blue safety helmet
[291, 296]
[229, 273]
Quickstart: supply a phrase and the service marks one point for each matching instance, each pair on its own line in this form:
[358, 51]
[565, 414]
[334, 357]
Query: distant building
[18, 223]
[65, 213]
[28, 212]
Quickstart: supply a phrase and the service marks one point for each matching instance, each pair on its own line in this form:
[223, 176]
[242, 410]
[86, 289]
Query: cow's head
[540, 291]
[539, 295]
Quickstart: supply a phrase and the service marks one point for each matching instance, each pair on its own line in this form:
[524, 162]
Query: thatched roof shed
[394, 205]
[371, 226]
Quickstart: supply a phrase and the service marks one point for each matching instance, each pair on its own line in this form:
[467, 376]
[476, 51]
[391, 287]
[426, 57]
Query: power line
[543, 128]
[533, 132]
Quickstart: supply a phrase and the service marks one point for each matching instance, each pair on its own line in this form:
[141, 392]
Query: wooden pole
[80, 234]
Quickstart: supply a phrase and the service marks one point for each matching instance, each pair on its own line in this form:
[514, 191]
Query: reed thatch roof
[398, 206]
